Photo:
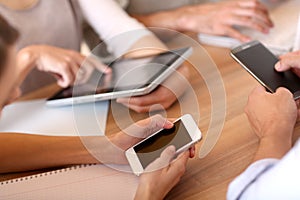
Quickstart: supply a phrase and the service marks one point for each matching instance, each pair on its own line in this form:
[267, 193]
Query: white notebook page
[36, 118]
[84, 182]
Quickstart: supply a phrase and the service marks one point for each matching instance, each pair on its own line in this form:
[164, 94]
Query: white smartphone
[183, 135]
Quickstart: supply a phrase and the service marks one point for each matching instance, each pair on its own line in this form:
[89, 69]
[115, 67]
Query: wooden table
[205, 178]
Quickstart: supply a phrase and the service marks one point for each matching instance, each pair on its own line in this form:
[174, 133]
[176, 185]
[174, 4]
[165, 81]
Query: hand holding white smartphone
[183, 135]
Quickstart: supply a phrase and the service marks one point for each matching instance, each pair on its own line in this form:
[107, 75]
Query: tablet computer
[129, 77]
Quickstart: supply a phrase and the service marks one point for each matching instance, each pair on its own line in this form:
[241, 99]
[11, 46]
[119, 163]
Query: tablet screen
[127, 74]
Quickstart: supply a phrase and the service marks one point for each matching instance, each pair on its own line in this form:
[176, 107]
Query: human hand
[163, 174]
[163, 97]
[272, 115]
[219, 18]
[133, 134]
[14, 95]
[289, 61]
[65, 65]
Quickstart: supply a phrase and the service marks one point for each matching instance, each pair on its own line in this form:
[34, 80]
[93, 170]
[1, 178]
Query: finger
[284, 91]
[287, 63]
[141, 101]
[178, 166]
[249, 23]
[259, 89]
[74, 69]
[63, 74]
[192, 151]
[97, 64]
[296, 71]
[163, 161]
[229, 31]
[138, 109]
[77, 57]
[68, 73]
[252, 4]
[254, 14]
[144, 128]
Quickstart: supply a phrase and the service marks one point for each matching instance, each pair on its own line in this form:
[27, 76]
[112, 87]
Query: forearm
[143, 193]
[274, 145]
[147, 45]
[163, 19]
[22, 152]
[170, 19]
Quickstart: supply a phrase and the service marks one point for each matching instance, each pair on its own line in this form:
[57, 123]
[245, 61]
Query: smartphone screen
[260, 62]
[150, 149]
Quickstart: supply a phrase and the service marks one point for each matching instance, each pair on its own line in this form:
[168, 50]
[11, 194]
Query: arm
[139, 42]
[21, 152]
[213, 18]
[272, 117]
[121, 33]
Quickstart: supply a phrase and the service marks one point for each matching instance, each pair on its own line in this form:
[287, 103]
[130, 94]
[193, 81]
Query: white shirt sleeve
[269, 179]
[113, 25]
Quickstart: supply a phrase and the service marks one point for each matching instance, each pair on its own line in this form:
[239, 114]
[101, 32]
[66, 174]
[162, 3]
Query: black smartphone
[259, 62]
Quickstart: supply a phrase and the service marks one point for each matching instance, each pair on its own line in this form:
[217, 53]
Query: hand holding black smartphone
[260, 62]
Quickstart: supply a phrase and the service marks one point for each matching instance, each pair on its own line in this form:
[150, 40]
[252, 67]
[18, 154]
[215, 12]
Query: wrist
[274, 146]
[282, 131]
[27, 58]
[181, 18]
[143, 192]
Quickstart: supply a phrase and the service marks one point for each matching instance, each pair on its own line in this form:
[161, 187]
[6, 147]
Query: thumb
[163, 161]
[287, 63]
[147, 127]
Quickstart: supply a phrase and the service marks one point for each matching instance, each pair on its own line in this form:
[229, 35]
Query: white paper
[86, 182]
[36, 118]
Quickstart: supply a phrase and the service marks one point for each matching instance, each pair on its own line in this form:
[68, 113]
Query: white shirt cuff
[240, 184]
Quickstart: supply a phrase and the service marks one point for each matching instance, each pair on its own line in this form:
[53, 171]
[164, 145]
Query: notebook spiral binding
[44, 174]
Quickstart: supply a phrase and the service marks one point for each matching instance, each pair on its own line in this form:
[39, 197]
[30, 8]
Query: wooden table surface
[208, 177]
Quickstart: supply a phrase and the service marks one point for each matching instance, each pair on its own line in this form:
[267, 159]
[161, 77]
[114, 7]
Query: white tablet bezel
[125, 93]
[191, 128]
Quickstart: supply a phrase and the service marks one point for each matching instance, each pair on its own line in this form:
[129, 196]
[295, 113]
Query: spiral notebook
[78, 182]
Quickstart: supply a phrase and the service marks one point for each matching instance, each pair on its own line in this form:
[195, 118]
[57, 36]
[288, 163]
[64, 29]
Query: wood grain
[206, 178]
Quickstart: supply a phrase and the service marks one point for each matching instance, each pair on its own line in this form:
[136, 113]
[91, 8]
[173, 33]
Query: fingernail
[168, 123]
[277, 66]
[247, 39]
[266, 31]
[119, 101]
[171, 149]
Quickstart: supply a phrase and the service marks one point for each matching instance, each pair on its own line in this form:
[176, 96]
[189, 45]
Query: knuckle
[64, 65]
[139, 110]
[72, 53]
[68, 59]
[254, 11]
[181, 169]
[256, 3]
